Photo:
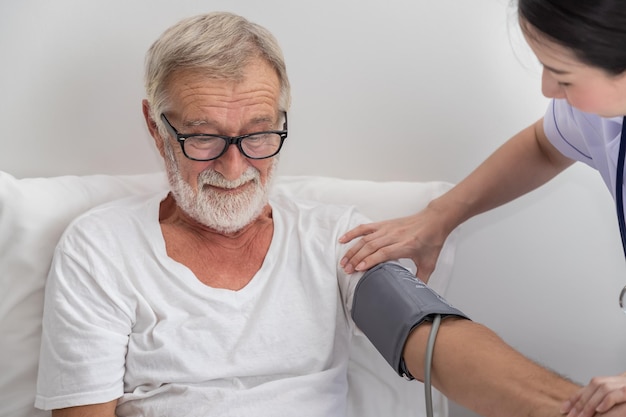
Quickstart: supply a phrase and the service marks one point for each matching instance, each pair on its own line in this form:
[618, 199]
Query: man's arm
[92, 410]
[477, 369]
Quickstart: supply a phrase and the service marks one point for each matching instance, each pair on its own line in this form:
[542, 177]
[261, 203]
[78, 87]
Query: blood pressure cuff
[388, 303]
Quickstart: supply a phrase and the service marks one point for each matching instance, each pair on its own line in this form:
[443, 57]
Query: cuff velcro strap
[388, 303]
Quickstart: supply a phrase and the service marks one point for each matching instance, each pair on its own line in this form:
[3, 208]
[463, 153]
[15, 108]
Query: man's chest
[219, 262]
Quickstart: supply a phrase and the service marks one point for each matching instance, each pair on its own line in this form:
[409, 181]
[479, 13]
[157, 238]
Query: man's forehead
[196, 88]
[214, 120]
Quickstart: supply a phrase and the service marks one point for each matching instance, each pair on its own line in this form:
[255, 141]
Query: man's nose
[232, 164]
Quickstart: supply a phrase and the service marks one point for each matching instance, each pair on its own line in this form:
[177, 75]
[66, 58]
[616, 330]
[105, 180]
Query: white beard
[223, 212]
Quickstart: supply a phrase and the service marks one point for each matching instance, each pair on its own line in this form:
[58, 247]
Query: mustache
[215, 179]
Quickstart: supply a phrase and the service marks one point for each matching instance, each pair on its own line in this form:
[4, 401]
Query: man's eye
[204, 142]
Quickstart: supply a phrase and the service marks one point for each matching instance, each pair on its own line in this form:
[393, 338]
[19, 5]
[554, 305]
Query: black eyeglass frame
[229, 140]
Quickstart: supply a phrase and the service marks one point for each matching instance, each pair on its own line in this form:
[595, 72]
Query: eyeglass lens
[257, 145]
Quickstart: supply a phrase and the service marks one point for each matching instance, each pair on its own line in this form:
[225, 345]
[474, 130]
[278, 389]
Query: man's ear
[152, 127]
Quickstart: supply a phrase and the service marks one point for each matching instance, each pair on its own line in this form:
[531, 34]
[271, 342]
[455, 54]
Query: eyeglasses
[206, 147]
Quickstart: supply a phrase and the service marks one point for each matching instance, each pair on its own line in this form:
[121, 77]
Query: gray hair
[220, 44]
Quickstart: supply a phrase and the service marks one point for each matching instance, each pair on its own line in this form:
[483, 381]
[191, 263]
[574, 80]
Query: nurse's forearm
[522, 164]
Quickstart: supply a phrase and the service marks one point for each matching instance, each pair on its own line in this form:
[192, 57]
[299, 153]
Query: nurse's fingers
[370, 250]
[599, 396]
[361, 230]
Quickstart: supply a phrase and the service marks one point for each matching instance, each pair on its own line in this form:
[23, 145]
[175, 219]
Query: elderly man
[212, 300]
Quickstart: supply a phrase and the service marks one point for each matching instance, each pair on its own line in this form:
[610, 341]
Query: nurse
[582, 47]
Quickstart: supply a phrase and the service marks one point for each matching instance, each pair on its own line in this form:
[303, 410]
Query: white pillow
[33, 214]
[35, 211]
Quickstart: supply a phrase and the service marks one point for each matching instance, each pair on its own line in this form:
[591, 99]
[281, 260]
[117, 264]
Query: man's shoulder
[314, 213]
[282, 201]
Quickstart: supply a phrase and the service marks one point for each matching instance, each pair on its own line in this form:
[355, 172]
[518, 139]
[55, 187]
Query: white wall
[385, 90]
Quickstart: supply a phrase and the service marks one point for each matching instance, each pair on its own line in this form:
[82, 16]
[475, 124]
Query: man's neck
[221, 260]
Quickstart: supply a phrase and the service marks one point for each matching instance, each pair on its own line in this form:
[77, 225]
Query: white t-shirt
[585, 137]
[124, 320]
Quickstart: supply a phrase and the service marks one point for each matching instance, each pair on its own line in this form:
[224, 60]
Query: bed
[35, 211]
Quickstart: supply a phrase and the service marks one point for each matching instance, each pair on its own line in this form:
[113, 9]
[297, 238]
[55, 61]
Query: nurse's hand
[417, 237]
[603, 394]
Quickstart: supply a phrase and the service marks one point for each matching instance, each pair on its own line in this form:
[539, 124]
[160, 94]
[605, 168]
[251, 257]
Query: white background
[386, 90]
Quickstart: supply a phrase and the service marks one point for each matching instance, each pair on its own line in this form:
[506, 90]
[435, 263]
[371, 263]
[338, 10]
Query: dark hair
[595, 30]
